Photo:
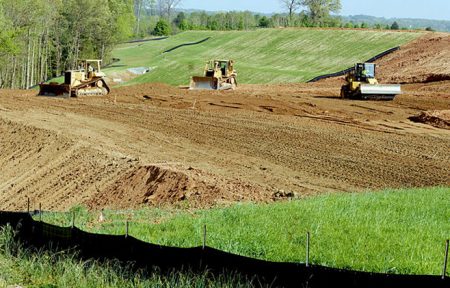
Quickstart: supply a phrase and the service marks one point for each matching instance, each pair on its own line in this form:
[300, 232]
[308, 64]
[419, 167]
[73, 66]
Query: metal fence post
[204, 237]
[28, 205]
[307, 249]
[73, 219]
[40, 212]
[444, 270]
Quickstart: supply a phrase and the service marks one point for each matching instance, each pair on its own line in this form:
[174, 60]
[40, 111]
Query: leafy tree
[429, 29]
[364, 25]
[166, 8]
[264, 22]
[291, 6]
[179, 19]
[319, 10]
[395, 26]
[184, 25]
[162, 28]
[348, 25]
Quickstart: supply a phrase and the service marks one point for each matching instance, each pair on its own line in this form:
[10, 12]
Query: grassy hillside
[262, 56]
[400, 231]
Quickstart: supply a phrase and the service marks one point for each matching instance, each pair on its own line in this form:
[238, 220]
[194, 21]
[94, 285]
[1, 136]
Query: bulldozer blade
[381, 89]
[54, 89]
[204, 83]
[379, 92]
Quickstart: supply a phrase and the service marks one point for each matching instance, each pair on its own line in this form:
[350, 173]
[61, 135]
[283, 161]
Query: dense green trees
[162, 28]
[319, 10]
[395, 26]
[41, 38]
[316, 13]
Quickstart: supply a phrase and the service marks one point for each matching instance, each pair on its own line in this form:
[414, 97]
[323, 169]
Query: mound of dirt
[439, 119]
[161, 185]
[426, 59]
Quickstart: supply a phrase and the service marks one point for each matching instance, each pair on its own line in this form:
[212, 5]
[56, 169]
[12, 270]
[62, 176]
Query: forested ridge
[41, 38]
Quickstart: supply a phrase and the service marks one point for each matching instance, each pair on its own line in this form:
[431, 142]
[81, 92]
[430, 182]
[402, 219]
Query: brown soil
[425, 60]
[440, 119]
[159, 145]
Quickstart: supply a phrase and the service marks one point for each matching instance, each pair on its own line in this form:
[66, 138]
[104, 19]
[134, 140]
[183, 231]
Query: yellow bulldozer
[218, 75]
[86, 80]
[362, 84]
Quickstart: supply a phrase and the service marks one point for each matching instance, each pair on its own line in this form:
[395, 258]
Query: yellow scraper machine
[86, 80]
[218, 75]
[362, 84]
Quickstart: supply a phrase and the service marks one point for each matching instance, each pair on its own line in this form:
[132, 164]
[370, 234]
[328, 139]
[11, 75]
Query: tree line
[152, 20]
[41, 38]
[157, 17]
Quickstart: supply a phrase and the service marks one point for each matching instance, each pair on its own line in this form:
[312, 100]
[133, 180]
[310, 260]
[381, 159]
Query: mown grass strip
[397, 231]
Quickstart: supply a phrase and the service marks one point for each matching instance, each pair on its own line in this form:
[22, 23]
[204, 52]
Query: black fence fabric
[343, 72]
[187, 44]
[146, 40]
[148, 256]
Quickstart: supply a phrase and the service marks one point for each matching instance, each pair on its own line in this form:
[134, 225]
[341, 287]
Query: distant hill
[410, 23]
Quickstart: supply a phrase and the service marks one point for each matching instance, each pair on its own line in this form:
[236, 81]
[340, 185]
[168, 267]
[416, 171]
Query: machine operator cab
[364, 72]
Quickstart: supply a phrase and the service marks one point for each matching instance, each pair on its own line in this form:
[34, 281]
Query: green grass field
[262, 56]
[399, 231]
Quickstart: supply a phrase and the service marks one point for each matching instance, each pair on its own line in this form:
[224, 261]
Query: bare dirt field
[154, 144]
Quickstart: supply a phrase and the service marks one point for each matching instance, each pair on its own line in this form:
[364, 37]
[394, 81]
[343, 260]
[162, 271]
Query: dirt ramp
[436, 118]
[162, 185]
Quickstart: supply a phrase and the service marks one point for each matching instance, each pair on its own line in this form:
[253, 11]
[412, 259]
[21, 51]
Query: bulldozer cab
[224, 67]
[86, 70]
[364, 71]
[92, 68]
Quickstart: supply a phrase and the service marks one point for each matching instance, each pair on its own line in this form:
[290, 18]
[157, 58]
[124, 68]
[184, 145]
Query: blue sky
[429, 9]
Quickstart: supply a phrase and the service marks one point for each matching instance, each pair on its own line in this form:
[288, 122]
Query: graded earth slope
[154, 144]
[424, 60]
[261, 56]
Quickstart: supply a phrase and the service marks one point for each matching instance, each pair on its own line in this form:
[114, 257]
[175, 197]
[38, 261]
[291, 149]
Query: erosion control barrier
[146, 40]
[187, 44]
[148, 256]
[343, 72]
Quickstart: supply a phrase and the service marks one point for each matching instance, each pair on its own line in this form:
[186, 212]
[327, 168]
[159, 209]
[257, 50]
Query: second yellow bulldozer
[362, 84]
[86, 80]
[218, 75]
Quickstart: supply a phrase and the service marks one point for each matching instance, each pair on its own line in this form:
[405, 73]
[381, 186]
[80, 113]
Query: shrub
[162, 28]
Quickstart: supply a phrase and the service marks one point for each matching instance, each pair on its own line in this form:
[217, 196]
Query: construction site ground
[158, 145]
